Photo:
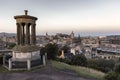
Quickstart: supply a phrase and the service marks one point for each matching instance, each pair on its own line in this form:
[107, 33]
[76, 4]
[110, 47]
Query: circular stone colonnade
[24, 24]
[25, 54]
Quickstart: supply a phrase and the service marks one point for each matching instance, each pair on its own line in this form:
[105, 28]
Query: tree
[79, 59]
[52, 51]
[112, 76]
[101, 64]
[115, 74]
[43, 50]
[66, 49]
[117, 68]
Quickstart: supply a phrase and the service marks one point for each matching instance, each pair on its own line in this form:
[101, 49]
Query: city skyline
[90, 17]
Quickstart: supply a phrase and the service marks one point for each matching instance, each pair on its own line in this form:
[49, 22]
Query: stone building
[72, 35]
[109, 51]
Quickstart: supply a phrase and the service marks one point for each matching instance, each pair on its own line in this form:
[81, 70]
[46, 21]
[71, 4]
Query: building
[72, 35]
[109, 51]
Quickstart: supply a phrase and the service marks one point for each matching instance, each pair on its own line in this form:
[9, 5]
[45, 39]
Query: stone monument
[25, 54]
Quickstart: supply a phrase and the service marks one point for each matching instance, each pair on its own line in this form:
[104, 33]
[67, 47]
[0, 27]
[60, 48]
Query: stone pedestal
[28, 54]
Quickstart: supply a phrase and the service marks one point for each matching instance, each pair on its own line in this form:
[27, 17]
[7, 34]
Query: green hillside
[82, 71]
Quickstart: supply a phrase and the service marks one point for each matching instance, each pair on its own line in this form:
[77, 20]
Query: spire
[79, 38]
[72, 35]
[46, 34]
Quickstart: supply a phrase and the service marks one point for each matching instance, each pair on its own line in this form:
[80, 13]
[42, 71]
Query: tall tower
[72, 35]
[25, 23]
[47, 36]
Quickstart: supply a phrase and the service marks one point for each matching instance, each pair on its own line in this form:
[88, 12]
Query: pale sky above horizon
[55, 16]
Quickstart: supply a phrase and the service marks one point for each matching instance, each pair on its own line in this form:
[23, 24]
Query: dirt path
[45, 73]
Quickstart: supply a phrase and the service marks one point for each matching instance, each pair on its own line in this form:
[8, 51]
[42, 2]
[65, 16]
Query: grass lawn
[82, 71]
[2, 69]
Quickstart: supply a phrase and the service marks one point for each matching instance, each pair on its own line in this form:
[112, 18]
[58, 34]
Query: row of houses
[95, 50]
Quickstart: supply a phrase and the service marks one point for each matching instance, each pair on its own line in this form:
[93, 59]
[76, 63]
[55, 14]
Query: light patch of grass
[82, 71]
[3, 69]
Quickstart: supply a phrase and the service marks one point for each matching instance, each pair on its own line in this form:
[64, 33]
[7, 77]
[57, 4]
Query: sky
[87, 17]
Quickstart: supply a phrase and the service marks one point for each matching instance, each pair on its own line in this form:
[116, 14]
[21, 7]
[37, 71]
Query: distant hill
[7, 34]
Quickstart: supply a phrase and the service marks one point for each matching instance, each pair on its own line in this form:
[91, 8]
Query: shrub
[79, 59]
[66, 60]
[43, 50]
[52, 51]
[117, 68]
[102, 65]
[118, 78]
[112, 76]
[66, 49]
[59, 59]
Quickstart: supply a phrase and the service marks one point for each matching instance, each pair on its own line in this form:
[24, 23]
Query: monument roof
[25, 16]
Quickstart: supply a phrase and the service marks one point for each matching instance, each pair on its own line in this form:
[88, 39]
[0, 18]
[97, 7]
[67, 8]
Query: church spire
[72, 35]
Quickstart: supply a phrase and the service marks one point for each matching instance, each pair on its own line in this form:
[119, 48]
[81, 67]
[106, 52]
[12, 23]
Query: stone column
[4, 59]
[21, 39]
[33, 34]
[31, 56]
[27, 39]
[28, 64]
[10, 64]
[23, 34]
[18, 33]
[46, 57]
[44, 60]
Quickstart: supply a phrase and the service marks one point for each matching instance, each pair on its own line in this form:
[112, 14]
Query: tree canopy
[52, 50]
[79, 59]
